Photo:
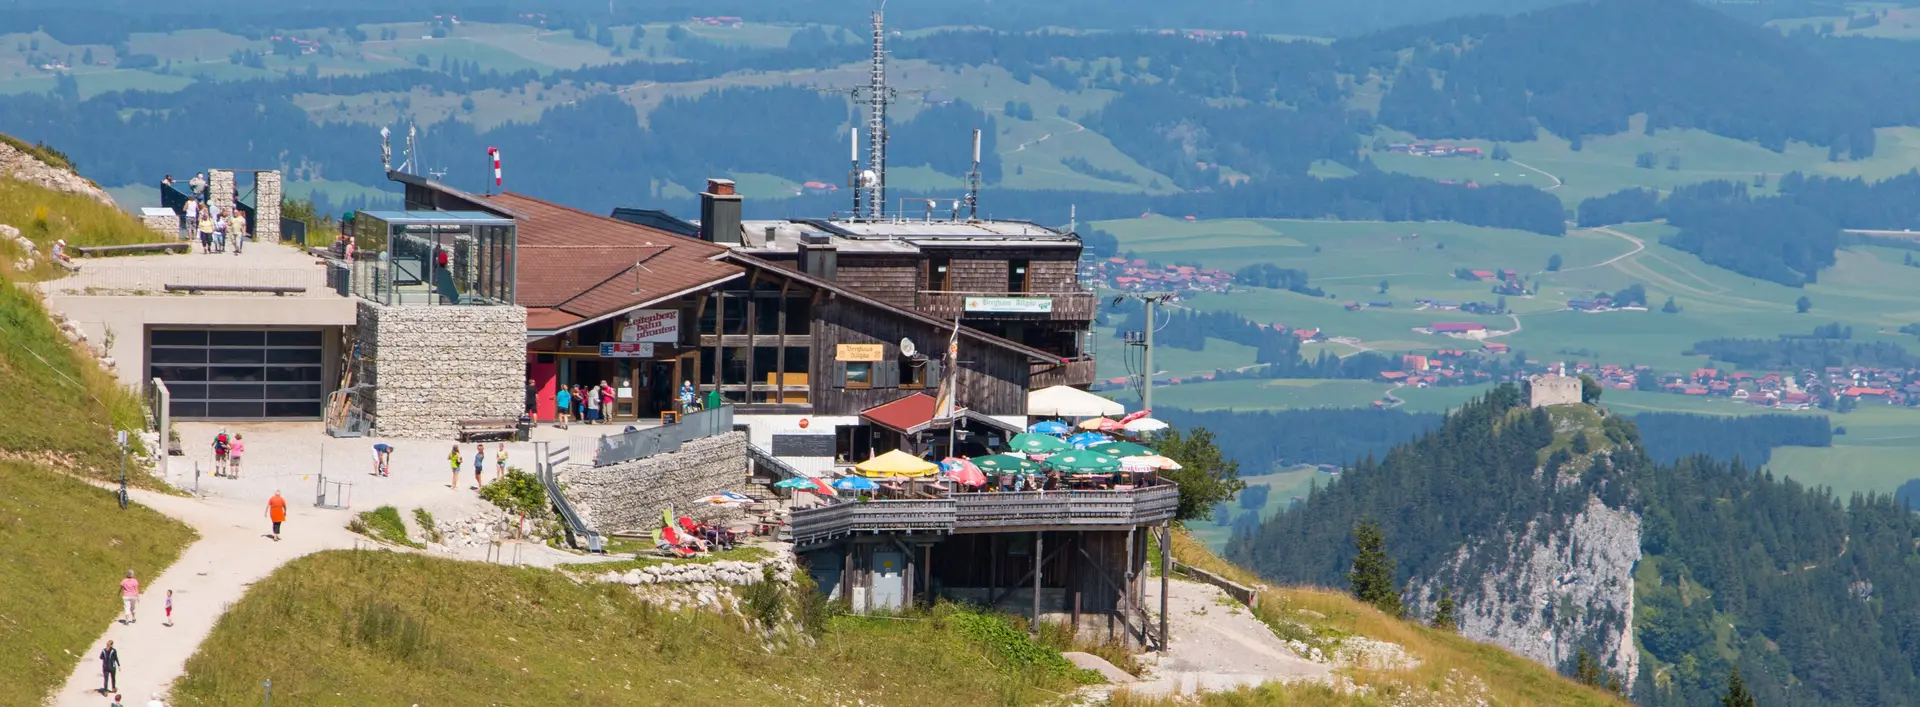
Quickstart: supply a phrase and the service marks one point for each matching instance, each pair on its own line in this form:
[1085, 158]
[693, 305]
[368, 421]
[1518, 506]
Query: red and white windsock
[495, 153]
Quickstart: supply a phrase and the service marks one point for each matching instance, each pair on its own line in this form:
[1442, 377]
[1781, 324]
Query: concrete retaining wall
[628, 497]
[430, 367]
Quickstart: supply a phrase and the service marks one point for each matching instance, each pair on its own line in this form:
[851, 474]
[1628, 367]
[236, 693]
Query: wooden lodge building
[800, 329]
[826, 340]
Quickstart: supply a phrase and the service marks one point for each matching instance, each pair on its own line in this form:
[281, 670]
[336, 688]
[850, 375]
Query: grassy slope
[44, 216]
[1510, 679]
[68, 541]
[68, 545]
[470, 633]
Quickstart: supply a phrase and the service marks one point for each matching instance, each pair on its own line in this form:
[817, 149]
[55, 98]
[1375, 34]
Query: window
[766, 315]
[859, 374]
[799, 316]
[852, 443]
[919, 374]
[937, 267]
[1016, 276]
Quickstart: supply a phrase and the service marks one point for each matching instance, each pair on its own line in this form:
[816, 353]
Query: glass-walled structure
[458, 258]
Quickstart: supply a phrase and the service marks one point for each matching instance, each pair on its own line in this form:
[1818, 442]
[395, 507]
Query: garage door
[240, 374]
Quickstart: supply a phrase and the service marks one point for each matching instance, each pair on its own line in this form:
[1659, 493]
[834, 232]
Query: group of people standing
[213, 224]
[590, 404]
[479, 463]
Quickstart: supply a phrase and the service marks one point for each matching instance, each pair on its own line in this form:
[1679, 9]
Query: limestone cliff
[1547, 592]
[16, 163]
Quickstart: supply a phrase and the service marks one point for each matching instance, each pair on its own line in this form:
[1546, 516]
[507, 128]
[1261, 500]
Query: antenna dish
[907, 348]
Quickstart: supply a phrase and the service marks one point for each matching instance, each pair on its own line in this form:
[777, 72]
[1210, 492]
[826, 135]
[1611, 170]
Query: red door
[544, 376]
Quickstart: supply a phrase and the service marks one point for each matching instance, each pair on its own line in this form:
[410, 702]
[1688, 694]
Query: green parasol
[1121, 449]
[1006, 464]
[1082, 461]
[1030, 443]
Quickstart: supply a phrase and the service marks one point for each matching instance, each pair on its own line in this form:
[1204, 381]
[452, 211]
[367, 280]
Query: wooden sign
[859, 352]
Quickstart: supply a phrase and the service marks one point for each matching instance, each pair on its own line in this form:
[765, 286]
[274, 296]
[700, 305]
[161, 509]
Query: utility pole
[1148, 300]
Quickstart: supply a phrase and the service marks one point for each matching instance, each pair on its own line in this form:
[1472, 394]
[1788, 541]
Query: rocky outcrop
[17, 164]
[1547, 592]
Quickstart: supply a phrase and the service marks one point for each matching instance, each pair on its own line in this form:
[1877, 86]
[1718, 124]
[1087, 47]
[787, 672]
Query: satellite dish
[907, 348]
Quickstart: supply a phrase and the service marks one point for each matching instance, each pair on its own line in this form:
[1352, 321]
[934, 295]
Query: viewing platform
[990, 512]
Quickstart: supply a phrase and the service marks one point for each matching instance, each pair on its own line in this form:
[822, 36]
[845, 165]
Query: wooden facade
[993, 380]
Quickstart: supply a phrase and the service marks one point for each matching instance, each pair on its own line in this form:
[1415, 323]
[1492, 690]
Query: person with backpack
[220, 448]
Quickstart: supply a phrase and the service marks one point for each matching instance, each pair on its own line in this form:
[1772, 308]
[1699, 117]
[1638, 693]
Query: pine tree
[1580, 444]
[1372, 575]
[1444, 614]
[1737, 695]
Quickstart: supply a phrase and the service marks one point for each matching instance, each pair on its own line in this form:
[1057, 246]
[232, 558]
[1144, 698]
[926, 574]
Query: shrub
[427, 527]
[765, 601]
[518, 492]
[382, 524]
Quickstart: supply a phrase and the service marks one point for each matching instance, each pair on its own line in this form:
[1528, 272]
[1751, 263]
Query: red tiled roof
[905, 415]
[585, 266]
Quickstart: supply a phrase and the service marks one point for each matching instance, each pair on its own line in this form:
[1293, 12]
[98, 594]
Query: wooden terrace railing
[987, 512]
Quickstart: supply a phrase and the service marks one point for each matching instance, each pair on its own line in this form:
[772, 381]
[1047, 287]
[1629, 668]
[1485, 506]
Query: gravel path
[234, 550]
[1218, 645]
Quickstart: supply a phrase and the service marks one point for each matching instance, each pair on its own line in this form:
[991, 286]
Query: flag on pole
[943, 406]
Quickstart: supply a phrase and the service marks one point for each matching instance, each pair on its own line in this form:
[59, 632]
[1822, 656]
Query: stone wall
[429, 367]
[1554, 390]
[161, 220]
[220, 189]
[629, 496]
[266, 213]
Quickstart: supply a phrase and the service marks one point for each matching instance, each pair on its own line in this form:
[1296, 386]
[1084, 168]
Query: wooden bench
[486, 429]
[276, 290]
[175, 247]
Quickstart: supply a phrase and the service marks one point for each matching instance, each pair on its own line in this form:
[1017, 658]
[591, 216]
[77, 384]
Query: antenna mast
[973, 180]
[877, 99]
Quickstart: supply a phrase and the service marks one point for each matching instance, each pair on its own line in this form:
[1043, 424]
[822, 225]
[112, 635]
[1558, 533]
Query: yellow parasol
[896, 464]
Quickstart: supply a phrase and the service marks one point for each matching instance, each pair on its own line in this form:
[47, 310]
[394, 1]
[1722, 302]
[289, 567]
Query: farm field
[1282, 485]
[1262, 394]
[1606, 164]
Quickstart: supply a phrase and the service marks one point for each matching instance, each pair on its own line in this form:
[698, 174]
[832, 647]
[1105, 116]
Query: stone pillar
[266, 213]
[220, 189]
[429, 367]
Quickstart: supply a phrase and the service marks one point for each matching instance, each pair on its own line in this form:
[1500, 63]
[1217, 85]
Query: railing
[642, 443]
[1066, 306]
[293, 230]
[767, 459]
[933, 515]
[988, 511]
[117, 278]
[1078, 372]
[173, 197]
[576, 527]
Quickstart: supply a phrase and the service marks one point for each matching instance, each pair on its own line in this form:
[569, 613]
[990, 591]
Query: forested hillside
[1815, 600]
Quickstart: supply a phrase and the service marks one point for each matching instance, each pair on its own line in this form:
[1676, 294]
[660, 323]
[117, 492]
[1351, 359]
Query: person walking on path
[562, 404]
[221, 446]
[277, 512]
[206, 231]
[129, 598]
[499, 461]
[169, 622]
[479, 462]
[193, 218]
[237, 228]
[453, 460]
[109, 669]
[219, 234]
[233, 456]
[533, 401]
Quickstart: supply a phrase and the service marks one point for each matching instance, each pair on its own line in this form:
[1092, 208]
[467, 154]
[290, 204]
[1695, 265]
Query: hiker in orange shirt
[277, 512]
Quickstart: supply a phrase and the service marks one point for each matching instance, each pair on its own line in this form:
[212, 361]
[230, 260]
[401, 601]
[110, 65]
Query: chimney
[819, 257]
[720, 213]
